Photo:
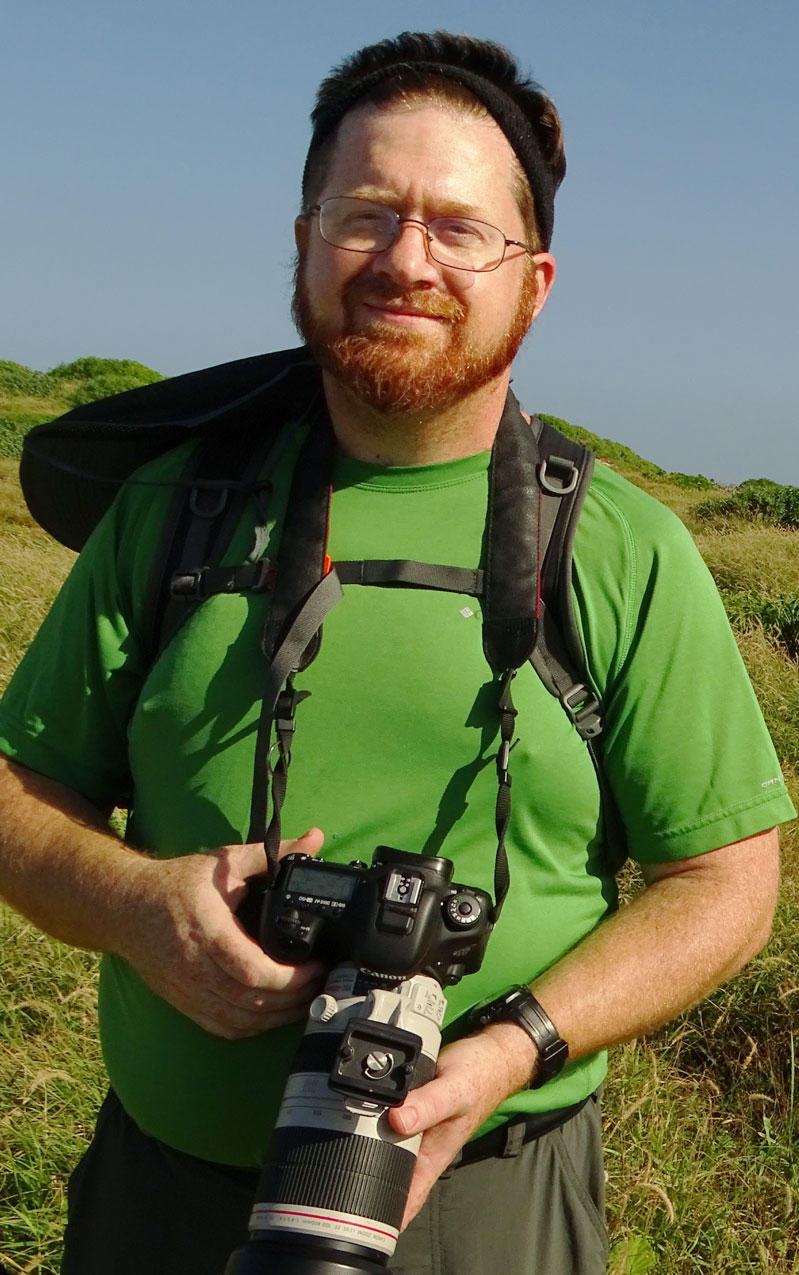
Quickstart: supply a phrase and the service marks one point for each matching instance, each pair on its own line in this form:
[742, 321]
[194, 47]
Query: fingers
[248, 968]
[185, 941]
[470, 1084]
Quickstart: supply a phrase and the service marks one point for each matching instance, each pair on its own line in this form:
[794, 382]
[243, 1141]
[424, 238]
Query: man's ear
[545, 270]
[301, 228]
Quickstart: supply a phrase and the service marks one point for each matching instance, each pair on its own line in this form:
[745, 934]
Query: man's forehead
[397, 112]
[415, 139]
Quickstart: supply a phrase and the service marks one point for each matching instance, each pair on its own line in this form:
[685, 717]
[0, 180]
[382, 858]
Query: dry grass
[33, 567]
[764, 559]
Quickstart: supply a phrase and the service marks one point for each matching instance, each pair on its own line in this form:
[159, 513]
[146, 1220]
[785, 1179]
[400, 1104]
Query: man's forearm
[687, 932]
[59, 863]
[173, 920]
[694, 926]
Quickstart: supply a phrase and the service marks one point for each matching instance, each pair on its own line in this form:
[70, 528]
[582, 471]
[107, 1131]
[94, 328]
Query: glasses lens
[357, 224]
[466, 244]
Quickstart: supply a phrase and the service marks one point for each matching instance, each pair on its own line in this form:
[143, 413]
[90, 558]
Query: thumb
[250, 859]
[423, 1108]
[309, 843]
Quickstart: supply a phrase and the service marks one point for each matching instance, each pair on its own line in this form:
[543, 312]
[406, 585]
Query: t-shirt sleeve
[66, 709]
[685, 748]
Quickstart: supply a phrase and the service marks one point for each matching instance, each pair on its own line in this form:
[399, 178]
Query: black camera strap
[520, 515]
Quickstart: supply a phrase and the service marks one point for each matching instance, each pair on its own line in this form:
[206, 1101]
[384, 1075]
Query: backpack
[237, 412]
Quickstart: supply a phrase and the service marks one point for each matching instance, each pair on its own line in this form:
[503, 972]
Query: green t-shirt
[395, 744]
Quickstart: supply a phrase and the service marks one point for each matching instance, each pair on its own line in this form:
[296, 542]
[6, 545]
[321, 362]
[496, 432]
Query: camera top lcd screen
[338, 886]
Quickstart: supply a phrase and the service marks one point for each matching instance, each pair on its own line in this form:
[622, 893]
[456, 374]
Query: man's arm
[698, 921]
[172, 919]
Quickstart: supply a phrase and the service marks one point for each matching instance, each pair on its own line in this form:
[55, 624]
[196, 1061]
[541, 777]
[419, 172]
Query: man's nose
[408, 258]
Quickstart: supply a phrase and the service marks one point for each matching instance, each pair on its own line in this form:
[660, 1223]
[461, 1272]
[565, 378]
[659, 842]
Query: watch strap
[518, 1005]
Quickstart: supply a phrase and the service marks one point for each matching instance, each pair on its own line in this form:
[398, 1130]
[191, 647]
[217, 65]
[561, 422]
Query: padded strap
[512, 549]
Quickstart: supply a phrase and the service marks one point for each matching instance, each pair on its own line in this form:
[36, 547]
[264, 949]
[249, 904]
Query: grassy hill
[701, 1118]
[27, 397]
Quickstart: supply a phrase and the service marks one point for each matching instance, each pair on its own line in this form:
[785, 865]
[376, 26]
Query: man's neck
[425, 438]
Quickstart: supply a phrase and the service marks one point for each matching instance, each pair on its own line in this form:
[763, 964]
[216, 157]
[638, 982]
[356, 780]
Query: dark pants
[136, 1207]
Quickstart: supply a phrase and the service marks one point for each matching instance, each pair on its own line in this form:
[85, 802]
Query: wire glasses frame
[363, 225]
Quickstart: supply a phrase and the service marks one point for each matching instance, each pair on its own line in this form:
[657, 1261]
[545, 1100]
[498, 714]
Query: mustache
[436, 305]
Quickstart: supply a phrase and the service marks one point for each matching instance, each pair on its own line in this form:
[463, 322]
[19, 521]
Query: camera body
[403, 915]
[336, 1176]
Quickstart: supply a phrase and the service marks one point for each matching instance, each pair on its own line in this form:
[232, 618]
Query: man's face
[404, 333]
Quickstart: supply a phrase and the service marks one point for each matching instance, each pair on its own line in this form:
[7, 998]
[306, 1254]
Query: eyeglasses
[360, 225]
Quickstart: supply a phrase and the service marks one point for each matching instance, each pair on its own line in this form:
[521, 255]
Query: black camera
[403, 915]
[336, 1177]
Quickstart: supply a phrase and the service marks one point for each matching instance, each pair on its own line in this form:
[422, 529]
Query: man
[423, 259]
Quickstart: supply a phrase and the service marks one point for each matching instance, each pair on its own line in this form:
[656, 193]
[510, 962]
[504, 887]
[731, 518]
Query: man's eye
[457, 230]
[364, 222]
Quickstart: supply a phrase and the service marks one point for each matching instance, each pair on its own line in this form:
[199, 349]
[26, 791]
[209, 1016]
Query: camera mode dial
[462, 910]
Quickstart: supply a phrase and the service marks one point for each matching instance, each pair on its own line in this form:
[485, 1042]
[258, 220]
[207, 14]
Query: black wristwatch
[520, 1006]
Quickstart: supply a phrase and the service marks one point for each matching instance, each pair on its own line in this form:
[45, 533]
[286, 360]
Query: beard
[398, 372]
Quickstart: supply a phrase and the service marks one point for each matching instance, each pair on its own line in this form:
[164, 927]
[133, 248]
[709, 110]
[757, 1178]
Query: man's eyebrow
[442, 207]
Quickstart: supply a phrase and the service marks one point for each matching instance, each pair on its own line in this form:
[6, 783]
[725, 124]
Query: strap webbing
[507, 724]
[420, 575]
[279, 706]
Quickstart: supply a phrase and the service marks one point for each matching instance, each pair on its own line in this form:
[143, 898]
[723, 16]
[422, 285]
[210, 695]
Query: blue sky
[151, 155]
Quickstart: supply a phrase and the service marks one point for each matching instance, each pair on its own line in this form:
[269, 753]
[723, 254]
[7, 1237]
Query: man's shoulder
[626, 503]
[626, 540]
[618, 513]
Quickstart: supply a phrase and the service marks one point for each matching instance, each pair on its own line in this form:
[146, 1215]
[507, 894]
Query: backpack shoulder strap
[224, 472]
[559, 657]
[201, 518]
[565, 468]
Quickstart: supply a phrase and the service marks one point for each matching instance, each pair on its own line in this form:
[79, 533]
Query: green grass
[701, 1119]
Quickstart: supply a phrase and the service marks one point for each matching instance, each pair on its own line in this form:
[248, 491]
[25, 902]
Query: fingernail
[407, 1118]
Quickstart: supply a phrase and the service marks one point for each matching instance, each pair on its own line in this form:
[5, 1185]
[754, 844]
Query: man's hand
[182, 937]
[474, 1076]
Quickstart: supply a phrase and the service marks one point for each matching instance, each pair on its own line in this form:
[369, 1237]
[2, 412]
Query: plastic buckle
[189, 584]
[583, 708]
[285, 709]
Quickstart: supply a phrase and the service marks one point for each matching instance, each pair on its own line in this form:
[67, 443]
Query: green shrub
[23, 380]
[691, 482]
[86, 379]
[12, 433]
[758, 500]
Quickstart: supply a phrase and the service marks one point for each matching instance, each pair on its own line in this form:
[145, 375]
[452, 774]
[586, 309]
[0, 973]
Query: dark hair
[458, 68]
